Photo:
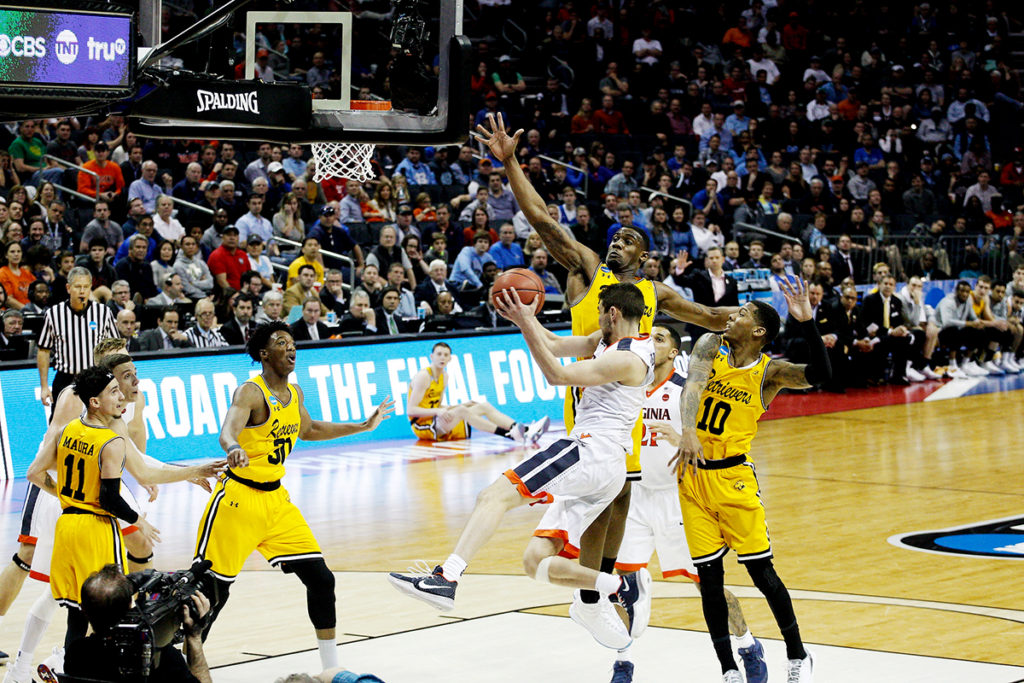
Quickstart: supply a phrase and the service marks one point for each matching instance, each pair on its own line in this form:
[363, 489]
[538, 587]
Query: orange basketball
[526, 283]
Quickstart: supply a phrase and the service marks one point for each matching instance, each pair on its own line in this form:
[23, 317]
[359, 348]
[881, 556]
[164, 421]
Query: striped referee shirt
[71, 336]
[202, 340]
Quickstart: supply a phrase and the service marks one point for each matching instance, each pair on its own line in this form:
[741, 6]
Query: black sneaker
[431, 588]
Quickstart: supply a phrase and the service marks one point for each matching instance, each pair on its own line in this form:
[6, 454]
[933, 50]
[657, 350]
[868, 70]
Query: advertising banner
[187, 397]
[51, 47]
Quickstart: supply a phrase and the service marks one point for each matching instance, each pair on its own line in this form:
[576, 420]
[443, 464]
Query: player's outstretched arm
[149, 471]
[46, 459]
[562, 246]
[318, 430]
[781, 374]
[690, 450]
[708, 317]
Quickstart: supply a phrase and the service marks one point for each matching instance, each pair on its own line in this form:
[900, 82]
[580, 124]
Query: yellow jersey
[585, 322]
[78, 465]
[269, 444]
[730, 406]
[432, 397]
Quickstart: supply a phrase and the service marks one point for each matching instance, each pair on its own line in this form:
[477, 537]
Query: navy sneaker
[635, 598]
[432, 588]
[753, 662]
[622, 672]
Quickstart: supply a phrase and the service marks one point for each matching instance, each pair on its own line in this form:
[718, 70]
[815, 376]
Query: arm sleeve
[112, 502]
[819, 369]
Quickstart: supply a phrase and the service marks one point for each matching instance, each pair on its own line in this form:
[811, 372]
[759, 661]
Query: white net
[343, 160]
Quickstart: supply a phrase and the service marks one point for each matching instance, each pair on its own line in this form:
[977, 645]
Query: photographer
[106, 599]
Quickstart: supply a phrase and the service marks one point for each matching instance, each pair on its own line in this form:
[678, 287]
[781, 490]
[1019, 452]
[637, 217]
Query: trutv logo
[66, 47]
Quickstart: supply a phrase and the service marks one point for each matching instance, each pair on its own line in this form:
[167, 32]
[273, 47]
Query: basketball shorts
[44, 520]
[722, 509]
[240, 519]
[87, 543]
[572, 399]
[655, 523]
[579, 477]
[439, 429]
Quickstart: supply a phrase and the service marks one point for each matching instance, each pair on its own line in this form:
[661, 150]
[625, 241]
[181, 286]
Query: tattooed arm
[690, 451]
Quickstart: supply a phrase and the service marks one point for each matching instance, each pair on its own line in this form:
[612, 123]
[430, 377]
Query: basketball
[526, 283]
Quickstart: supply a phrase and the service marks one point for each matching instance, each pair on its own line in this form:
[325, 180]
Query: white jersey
[661, 405]
[610, 410]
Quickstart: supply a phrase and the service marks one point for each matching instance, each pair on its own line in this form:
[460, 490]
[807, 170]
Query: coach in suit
[387, 317]
[882, 318]
[166, 335]
[435, 283]
[710, 287]
[240, 326]
[309, 327]
[843, 260]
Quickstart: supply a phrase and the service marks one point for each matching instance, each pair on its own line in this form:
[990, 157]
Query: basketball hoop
[350, 160]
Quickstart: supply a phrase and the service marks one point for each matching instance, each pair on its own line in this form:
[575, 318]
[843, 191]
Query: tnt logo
[66, 47]
[22, 46]
[102, 51]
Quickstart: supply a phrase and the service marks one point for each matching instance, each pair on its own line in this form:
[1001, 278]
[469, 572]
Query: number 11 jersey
[268, 444]
[730, 406]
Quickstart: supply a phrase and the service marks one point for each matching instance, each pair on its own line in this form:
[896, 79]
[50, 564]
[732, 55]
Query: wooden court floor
[836, 487]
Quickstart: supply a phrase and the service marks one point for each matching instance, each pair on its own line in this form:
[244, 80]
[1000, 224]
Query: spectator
[61, 146]
[27, 150]
[982, 190]
[202, 334]
[258, 262]
[102, 226]
[388, 252]
[135, 270]
[13, 344]
[257, 168]
[103, 275]
[334, 237]
[349, 210]
[310, 256]
[166, 335]
[146, 188]
[414, 170]
[303, 290]
[110, 183]
[622, 182]
[39, 298]
[470, 263]
[539, 265]
[227, 262]
[14, 277]
[500, 200]
[165, 224]
[608, 119]
[197, 281]
[961, 332]
[294, 164]
[437, 282]
[387, 316]
[272, 308]
[309, 327]
[240, 326]
[919, 201]
[253, 223]
[332, 294]
[360, 318]
[506, 253]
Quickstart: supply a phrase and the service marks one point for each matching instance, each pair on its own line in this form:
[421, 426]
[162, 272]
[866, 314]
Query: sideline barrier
[187, 396]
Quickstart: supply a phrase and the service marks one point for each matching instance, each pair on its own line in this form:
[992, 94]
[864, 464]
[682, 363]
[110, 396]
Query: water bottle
[332, 317]
[421, 312]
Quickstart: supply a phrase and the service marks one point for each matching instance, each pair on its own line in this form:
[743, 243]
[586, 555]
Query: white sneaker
[537, 429]
[800, 670]
[1011, 365]
[930, 374]
[52, 666]
[13, 676]
[957, 373]
[993, 368]
[973, 369]
[732, 676]
[601, 621]
[915, 376]
[518, 432]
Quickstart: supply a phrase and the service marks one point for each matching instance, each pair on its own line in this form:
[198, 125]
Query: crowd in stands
[852, 145]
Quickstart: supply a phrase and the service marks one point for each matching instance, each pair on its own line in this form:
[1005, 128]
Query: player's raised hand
[381, 413]
[795, 292]
[511, 307]
[497, 139]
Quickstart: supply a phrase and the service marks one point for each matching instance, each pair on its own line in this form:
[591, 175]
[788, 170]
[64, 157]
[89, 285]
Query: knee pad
[542, 569]
[319, 583]
[712, 574]
[762, 573]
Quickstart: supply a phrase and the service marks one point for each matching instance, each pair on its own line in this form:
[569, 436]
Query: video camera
[413, 85]
[155, 620]
[409, 28]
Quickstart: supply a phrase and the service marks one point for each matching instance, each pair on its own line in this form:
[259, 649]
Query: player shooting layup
[731, 382]
[250, 510]
[586, 470]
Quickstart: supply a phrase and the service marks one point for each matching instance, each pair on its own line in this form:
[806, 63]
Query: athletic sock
[745, 641]
[328, 653]
[453, 567]
[507, 433]
[625, 654]
[607, 584]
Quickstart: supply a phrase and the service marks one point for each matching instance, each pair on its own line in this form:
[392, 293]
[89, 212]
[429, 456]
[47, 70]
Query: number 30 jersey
[730, 406]
[269, 444]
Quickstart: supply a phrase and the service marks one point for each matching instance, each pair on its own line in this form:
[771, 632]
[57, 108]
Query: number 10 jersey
[730, 406]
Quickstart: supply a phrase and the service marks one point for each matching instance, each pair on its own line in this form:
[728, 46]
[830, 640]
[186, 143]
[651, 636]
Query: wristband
[232, 447]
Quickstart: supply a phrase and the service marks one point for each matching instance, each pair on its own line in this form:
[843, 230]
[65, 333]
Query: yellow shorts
[722, 509]
[239, 519]
[429, 431]
[84, 544]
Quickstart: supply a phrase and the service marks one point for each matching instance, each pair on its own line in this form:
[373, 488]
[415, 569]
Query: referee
[70, 331]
